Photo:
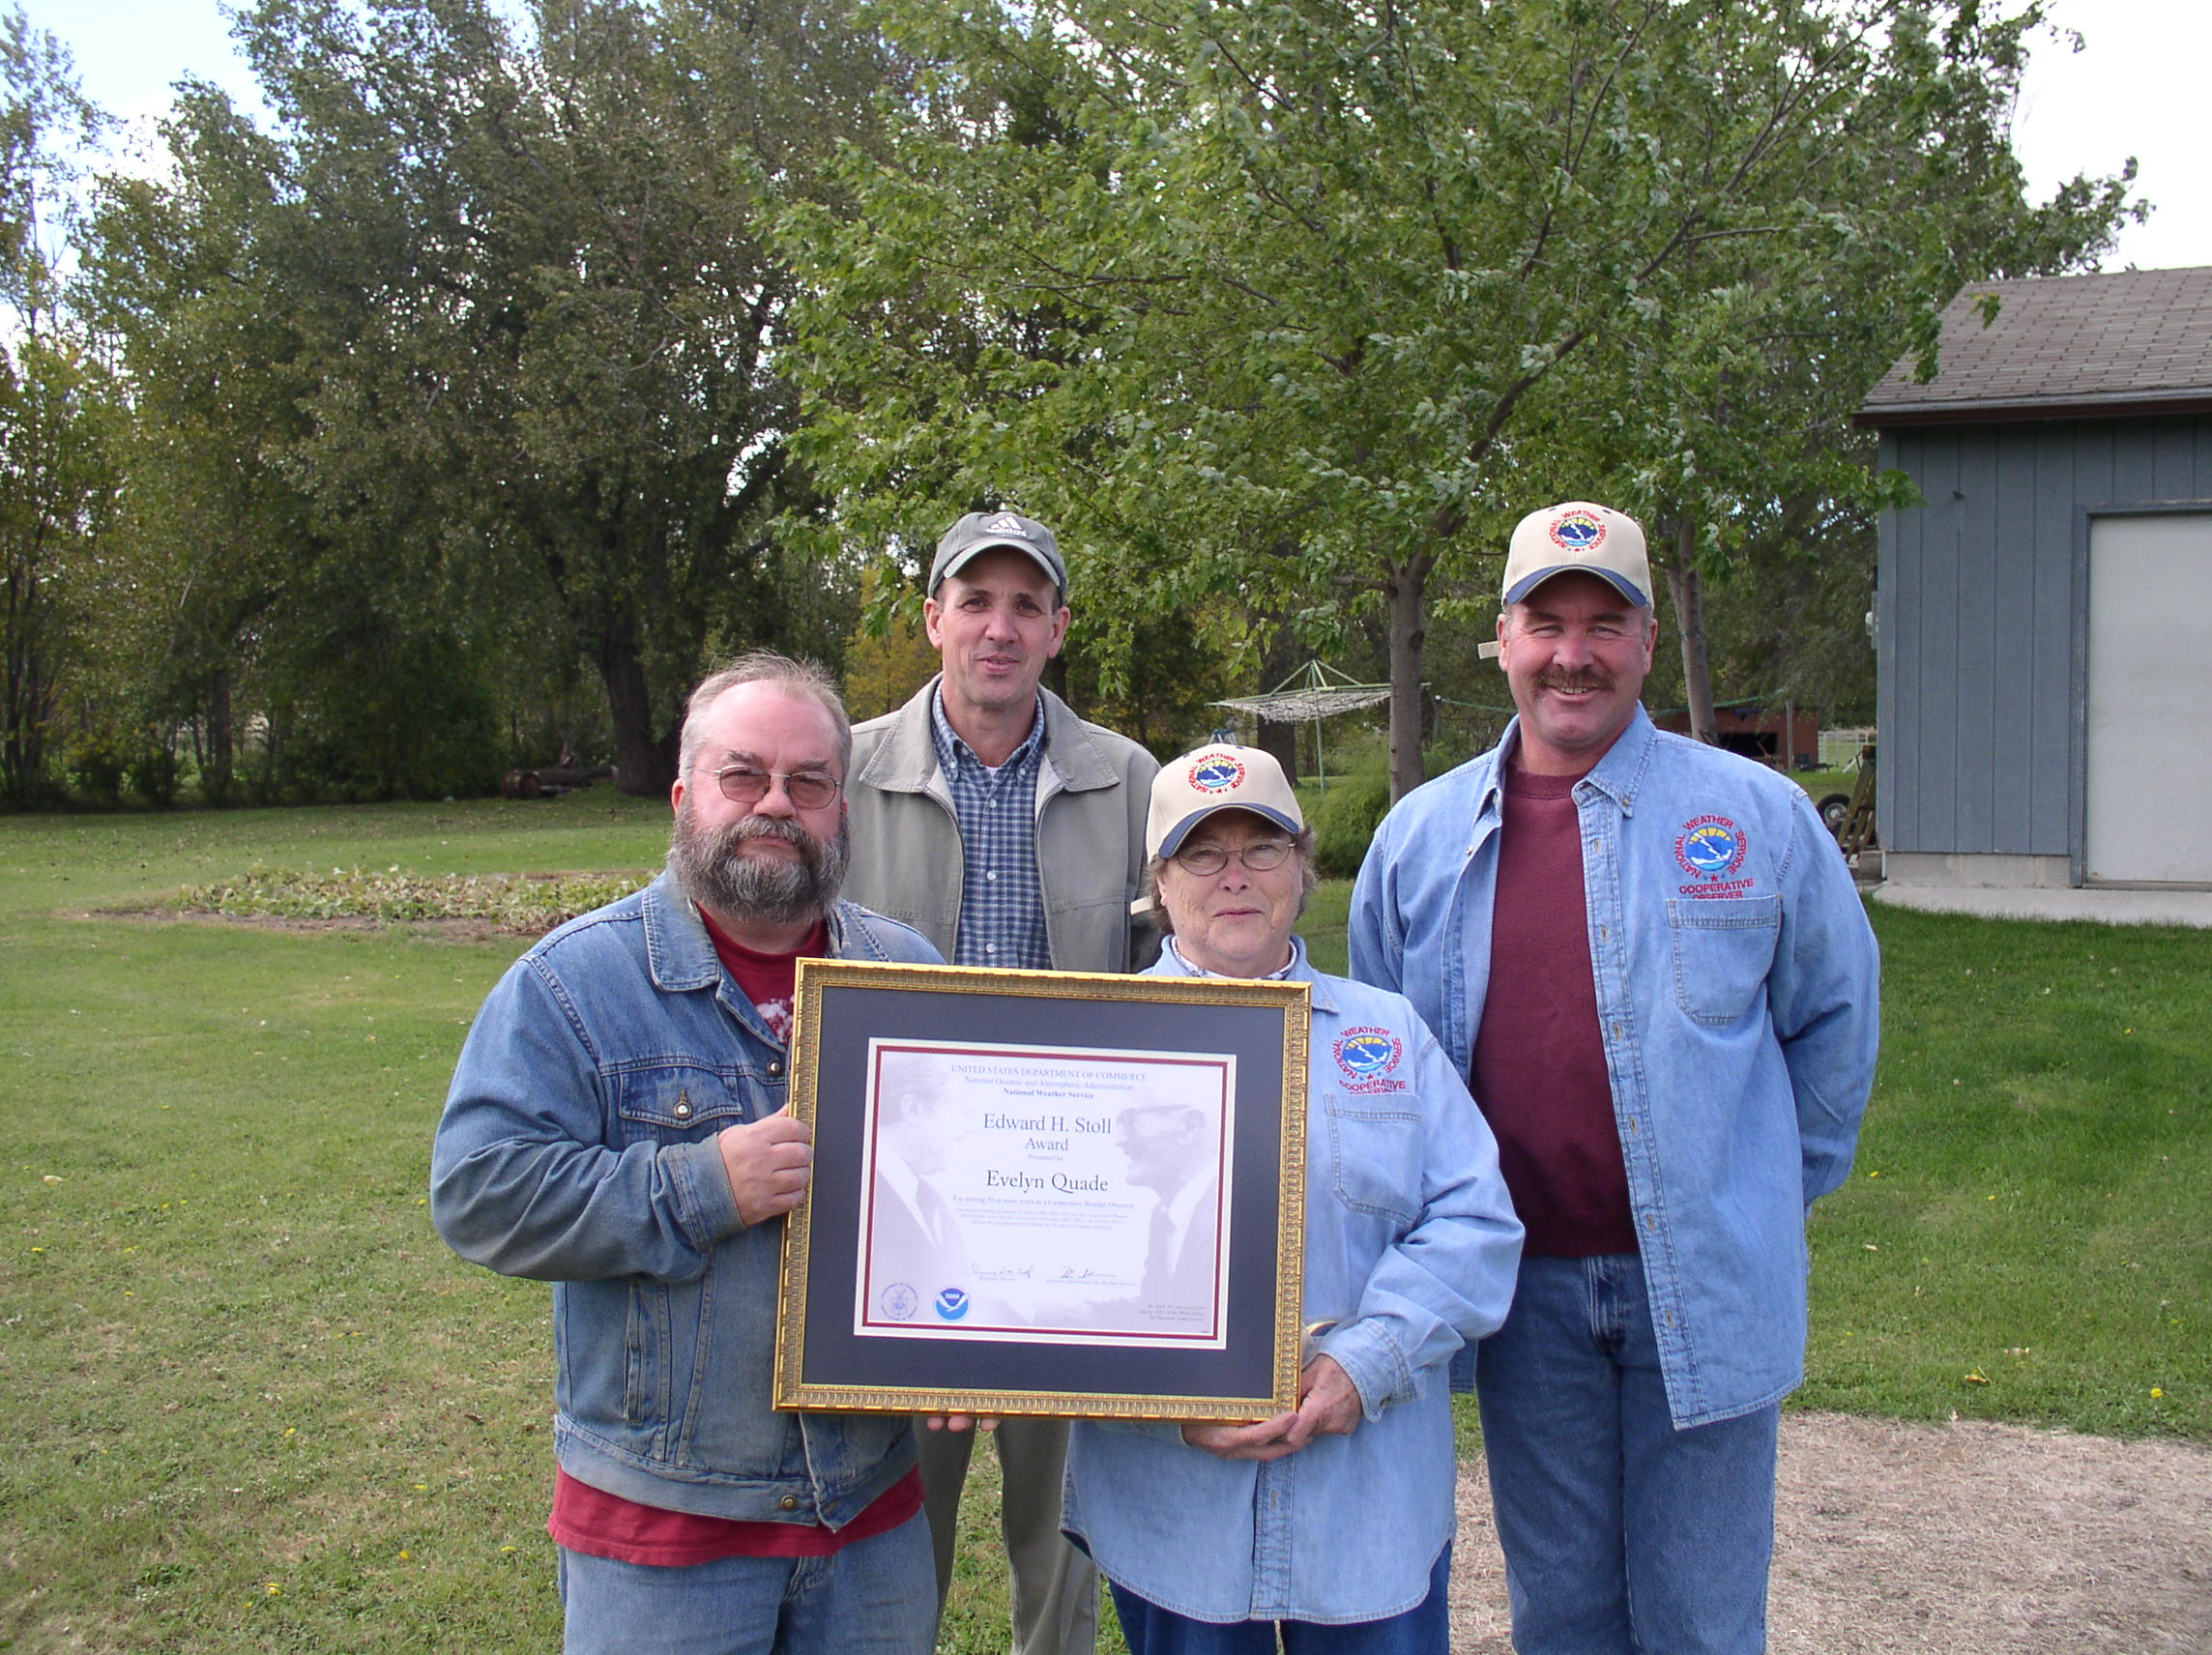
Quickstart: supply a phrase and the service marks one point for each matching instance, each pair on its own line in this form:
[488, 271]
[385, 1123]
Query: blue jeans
[1622, 1534]
[878, 1595]
[1425, 1629]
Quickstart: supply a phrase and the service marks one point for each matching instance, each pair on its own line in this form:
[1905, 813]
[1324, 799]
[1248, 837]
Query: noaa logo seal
[1367, 1057]
[1711, 847]
[899, 1301]
[1216, 772]
[1579, 532]
[952, 1303]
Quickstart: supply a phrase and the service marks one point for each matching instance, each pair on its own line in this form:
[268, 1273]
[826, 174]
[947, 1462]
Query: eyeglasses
[1258, 856]
[807, 789]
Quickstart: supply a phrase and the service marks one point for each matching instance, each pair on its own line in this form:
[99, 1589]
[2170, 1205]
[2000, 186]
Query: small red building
[1788, 738]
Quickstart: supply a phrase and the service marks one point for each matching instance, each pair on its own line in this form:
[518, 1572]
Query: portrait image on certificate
[1045, 1193]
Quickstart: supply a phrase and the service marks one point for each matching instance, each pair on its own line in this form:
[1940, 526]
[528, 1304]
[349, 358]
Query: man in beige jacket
[1010, 832]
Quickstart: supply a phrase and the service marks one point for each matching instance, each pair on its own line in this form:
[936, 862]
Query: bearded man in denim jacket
[617, 1126]
[1649, 960]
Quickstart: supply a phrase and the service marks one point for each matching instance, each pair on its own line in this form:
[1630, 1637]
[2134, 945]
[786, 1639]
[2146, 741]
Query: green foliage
[464, 377]
[58, 410]
[884, 668]
[1276, 296]
[1174, 673]
[1348, 815]
[527, 905]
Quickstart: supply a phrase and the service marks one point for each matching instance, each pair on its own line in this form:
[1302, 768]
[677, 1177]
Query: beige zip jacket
[1093, 788]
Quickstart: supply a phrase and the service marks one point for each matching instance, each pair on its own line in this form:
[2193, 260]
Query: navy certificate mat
[820, 1357]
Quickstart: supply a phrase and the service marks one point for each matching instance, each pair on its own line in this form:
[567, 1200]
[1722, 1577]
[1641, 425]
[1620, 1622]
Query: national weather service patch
[1368, 1059]
[1216, 772]
[1578, 531]
[1711, 847]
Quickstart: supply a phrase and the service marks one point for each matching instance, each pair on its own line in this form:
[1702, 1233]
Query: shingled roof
[2065, 347]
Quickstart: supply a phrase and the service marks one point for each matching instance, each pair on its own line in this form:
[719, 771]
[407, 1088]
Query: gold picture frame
[1000, 1223]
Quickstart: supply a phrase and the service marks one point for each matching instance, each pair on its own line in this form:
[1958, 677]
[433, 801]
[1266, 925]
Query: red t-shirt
[601, 1525]
[770, 981]
[592, 1520]
[1539, 1071]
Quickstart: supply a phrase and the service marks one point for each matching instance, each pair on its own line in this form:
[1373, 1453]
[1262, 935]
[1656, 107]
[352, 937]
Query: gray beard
[709, 865]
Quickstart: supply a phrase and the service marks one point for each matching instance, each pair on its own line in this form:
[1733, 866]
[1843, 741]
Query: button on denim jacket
[578, 1147]
[1737, 996]
[1410, 1248]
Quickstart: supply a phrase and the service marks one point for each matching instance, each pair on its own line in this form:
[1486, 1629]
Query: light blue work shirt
[1411, 1249]
[1738, 986]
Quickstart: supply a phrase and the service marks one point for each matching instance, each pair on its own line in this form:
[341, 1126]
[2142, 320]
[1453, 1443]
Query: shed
[2045, 690]
[1788, 737]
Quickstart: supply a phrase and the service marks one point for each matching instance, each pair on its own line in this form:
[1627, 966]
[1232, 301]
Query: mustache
[728, 837]
[1558, 677]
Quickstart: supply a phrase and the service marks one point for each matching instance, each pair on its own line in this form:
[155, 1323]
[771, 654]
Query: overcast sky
[2080, 112]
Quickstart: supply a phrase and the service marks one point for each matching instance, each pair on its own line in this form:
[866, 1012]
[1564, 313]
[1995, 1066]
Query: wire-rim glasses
[807, 789]
[1259, 857]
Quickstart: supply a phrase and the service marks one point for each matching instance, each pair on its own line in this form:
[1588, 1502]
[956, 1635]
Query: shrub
[1346, 817]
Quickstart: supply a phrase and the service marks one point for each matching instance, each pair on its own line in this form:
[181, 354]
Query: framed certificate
[1045, 1193]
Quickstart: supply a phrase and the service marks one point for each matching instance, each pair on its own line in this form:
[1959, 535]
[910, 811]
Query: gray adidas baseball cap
[982, 532]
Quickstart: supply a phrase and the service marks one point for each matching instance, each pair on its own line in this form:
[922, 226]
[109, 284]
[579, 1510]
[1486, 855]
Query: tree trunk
[1279, 738]
[1408, 591]
[1690, 625]
[216, 764]
[644, 766]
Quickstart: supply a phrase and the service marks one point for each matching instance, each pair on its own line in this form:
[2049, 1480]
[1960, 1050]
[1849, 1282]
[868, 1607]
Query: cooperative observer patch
[1711, 847]
[1367, 1057]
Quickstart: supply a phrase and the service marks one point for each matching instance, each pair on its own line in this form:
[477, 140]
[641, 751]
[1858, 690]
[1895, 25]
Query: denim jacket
[1410, 1248]
[578, 1147]
[1736, 998]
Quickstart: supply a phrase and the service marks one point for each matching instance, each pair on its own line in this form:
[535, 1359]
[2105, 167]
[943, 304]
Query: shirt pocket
[1375, 1146]
[675, 1103]
[1723, 949]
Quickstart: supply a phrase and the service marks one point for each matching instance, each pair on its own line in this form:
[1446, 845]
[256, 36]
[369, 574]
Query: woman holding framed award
[1330, 1524]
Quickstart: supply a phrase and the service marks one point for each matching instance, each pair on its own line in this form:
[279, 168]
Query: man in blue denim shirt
[1649, 960]
[617, 1126]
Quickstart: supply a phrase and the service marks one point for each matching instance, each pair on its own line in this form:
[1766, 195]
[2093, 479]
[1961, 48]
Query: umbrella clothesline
[1310, 694]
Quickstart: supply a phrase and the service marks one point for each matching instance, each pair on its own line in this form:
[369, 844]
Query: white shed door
[2150, 700]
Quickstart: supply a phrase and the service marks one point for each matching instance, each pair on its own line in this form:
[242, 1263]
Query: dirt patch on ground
[1964, 1539]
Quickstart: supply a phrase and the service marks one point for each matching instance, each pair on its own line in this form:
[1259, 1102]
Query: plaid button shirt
[1001, 897]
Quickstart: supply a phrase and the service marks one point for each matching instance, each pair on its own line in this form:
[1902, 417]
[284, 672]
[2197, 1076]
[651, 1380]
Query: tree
[592, 320]
[1725, 420]
[1270, 301]
[482, 351]
[56, 486]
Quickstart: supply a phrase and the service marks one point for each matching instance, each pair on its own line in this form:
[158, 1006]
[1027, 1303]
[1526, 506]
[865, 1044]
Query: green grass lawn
[258, 1406]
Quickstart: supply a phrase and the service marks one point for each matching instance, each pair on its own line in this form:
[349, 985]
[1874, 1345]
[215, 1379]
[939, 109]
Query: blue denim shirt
[578, 1147]
[1737, 991]
[1410, 1248]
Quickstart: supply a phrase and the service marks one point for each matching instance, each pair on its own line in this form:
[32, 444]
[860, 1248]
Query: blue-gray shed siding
[1979, 611]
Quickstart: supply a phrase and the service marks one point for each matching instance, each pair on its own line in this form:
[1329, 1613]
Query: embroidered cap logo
[1578, 532]
[1216, 772]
